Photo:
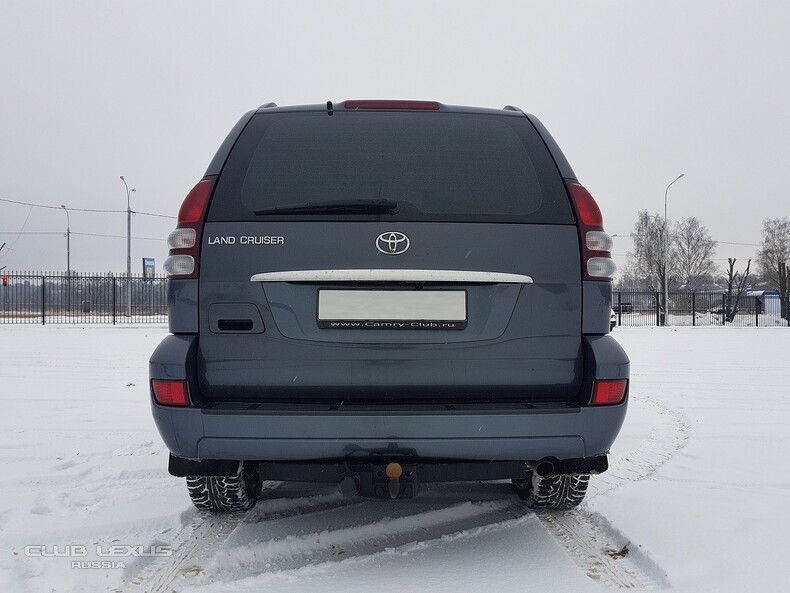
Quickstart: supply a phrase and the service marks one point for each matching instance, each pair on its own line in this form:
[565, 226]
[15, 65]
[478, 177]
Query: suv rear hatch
[388, 256]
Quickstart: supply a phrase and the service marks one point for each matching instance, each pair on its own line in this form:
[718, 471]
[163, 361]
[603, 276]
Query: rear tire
[556, 492]
[221, 494]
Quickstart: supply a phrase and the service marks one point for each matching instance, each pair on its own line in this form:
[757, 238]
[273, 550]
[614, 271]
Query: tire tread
[224, 493]
[555, 492]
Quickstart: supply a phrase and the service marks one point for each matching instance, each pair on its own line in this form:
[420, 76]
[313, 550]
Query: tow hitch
[400, 478]
[394, 481]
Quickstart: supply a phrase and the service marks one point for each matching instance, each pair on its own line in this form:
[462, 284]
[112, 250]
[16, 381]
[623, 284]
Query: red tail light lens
[195, 203]
[184, 241]
[609, 391]
[586, 206]
[170, 393]
[414, 105]
[597, 263]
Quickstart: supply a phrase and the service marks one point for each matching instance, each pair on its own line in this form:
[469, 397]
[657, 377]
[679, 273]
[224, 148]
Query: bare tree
[646, 261]
[775, 250]
[736, 285]
[692, 251]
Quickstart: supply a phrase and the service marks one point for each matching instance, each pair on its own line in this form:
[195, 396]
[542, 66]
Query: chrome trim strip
[392, 275]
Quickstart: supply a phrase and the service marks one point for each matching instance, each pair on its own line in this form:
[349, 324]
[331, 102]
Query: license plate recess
[392, 309]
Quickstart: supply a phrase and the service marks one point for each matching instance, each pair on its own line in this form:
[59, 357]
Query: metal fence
[700, 308]
[39, 298]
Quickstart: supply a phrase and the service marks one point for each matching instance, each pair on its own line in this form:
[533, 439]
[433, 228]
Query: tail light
[597, 263]
[184, 241]
[170, 393]
[609, 391]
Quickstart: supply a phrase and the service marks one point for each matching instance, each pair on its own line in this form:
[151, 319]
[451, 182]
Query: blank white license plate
[392, 309]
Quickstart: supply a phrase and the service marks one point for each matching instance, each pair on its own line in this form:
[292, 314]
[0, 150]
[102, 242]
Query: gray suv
[384, 294]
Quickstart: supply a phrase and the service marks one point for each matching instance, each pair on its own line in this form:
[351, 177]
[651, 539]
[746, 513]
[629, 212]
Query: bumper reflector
[170, 393]
[610, 391]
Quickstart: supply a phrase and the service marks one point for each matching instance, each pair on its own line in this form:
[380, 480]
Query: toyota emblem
[392, 243]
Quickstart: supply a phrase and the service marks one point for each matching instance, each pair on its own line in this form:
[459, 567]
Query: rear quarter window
[437, 166]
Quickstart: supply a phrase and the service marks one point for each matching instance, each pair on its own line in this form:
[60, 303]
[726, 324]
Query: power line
[624, 236]
[119, 236]
[83, 234]
[152, 214]
[731, 243]
[58, 207]
[31, 233]
[19, 234]
[102, 211]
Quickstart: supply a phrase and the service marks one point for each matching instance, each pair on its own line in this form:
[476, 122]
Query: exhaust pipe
[543, 468]
[550, 466]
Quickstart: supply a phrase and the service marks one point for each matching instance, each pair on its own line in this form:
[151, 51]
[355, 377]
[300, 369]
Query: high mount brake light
[609, 391]
[378, 104]
[597, 263]
[184, 241]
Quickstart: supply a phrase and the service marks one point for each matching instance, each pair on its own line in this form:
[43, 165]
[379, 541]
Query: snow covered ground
[697, 497]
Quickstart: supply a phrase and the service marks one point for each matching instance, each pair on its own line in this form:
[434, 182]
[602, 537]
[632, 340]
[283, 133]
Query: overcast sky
[634, 92]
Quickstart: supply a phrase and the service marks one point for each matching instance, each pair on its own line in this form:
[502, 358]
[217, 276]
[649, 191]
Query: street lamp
[128, 248]
[68, 259]
[666, 245]
[68, 241]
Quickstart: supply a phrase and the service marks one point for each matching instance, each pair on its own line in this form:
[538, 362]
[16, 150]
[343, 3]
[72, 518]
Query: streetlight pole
[128, 248]
[68, 259]
[666, 256]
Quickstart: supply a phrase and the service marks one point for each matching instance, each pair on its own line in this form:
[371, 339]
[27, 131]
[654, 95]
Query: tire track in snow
[417, 526]
[229, 546]
[602, 552]
[594, 544]
[278, 508]
[198, 541]
[666, 439]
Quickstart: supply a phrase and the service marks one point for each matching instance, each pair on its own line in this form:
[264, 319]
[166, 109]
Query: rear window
[436, 166]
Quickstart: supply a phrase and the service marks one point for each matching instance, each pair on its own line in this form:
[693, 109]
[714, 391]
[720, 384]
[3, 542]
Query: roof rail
[267, 105]
[513, 108]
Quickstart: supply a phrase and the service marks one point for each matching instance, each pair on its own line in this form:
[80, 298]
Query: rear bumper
[569, 432]
[268, 433]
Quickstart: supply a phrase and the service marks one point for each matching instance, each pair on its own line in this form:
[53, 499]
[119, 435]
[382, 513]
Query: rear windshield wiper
[336, 207]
